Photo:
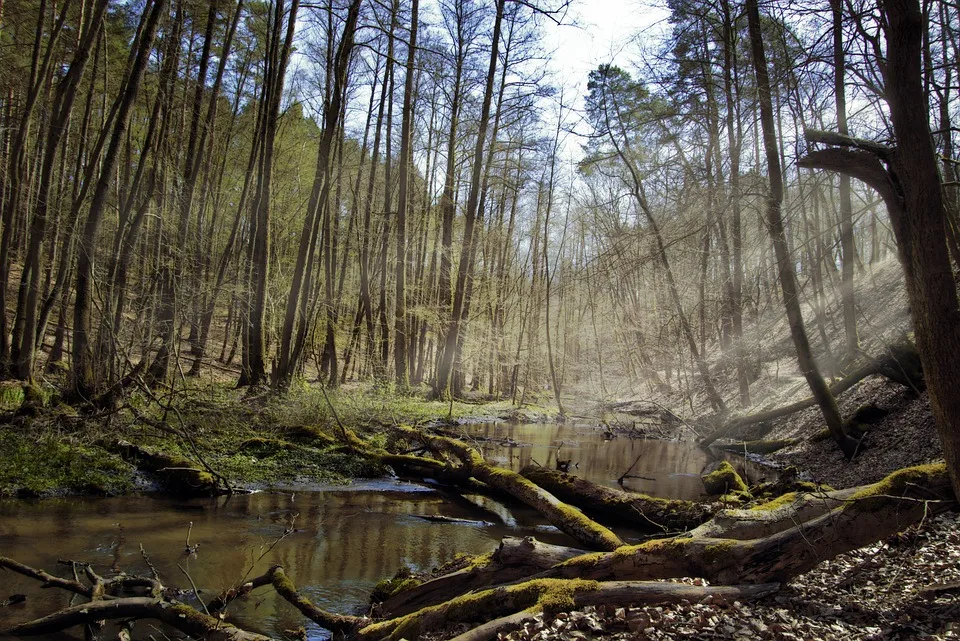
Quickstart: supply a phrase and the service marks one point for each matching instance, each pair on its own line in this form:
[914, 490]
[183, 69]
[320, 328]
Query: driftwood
[900, 364]
[179, 616]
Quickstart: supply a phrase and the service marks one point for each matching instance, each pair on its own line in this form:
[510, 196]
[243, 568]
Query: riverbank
[251, 441]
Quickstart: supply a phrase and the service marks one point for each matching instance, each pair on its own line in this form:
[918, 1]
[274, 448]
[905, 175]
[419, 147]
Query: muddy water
[344, 539]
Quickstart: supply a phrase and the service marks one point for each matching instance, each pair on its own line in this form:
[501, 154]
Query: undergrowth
[252, 439]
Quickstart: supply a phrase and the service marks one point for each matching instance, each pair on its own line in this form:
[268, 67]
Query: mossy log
[565, 517]
[552, 595]
[870, 514]
[777, 515]
[900, 363]
[643, 512]
[177, 476]
[723, 479]
[516, 558]
[622, 593]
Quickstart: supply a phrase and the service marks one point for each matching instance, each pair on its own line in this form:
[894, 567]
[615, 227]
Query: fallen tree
[566, 518]
[900, 363]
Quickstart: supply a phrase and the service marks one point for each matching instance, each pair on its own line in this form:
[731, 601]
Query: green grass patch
[49, 464]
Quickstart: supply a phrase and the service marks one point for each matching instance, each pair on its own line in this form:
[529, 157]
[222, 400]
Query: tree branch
[841, 140]
[860, 164]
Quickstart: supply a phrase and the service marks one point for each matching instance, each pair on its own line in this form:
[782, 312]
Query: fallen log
[900, 364]
[551, 595]
[777, 515]
[623, 593]
[515, 559]
[177, 476]
[566, 518]
[870, 514]
[646, 513]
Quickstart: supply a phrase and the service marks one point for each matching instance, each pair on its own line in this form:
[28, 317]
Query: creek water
[344, 539]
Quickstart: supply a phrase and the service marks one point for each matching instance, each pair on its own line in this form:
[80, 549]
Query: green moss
[716, 552]
[391, 587]
[722, 480]
[549, 595]
[47, 464]
[557, 595]
[263, 447]
[786, 499]
[898, 482]
[735, 498]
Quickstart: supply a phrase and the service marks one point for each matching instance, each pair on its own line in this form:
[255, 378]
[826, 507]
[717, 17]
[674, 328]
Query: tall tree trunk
[785, 265]
[451, 338]
[85, 380]
[847, 246]
[402, 324]
[278, 56]
[294, 334]
[62, 109]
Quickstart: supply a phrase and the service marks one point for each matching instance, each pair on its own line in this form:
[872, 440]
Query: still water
[669, 469]
[344, 539]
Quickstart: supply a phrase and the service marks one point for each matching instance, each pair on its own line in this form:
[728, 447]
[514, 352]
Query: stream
[344, 539]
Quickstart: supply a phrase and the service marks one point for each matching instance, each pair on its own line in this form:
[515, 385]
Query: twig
[188, 548]
[222, 601]
[196, 592]
[146, 559]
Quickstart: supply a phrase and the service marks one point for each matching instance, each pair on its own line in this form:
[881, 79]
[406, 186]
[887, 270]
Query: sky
[600, 31]
[595, 32]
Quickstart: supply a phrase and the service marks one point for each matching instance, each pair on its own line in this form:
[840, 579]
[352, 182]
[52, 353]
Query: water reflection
[344, 542]
[667, 469]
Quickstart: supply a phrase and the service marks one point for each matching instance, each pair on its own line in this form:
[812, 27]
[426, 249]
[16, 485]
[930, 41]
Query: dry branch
[179, 616]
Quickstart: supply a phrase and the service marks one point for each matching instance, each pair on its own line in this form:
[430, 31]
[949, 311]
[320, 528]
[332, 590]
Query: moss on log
[643, 512]
[565, 517]
[722, 480]
[871, 513]
[177, 476]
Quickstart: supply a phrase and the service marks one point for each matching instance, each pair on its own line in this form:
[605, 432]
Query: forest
[268, 245]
